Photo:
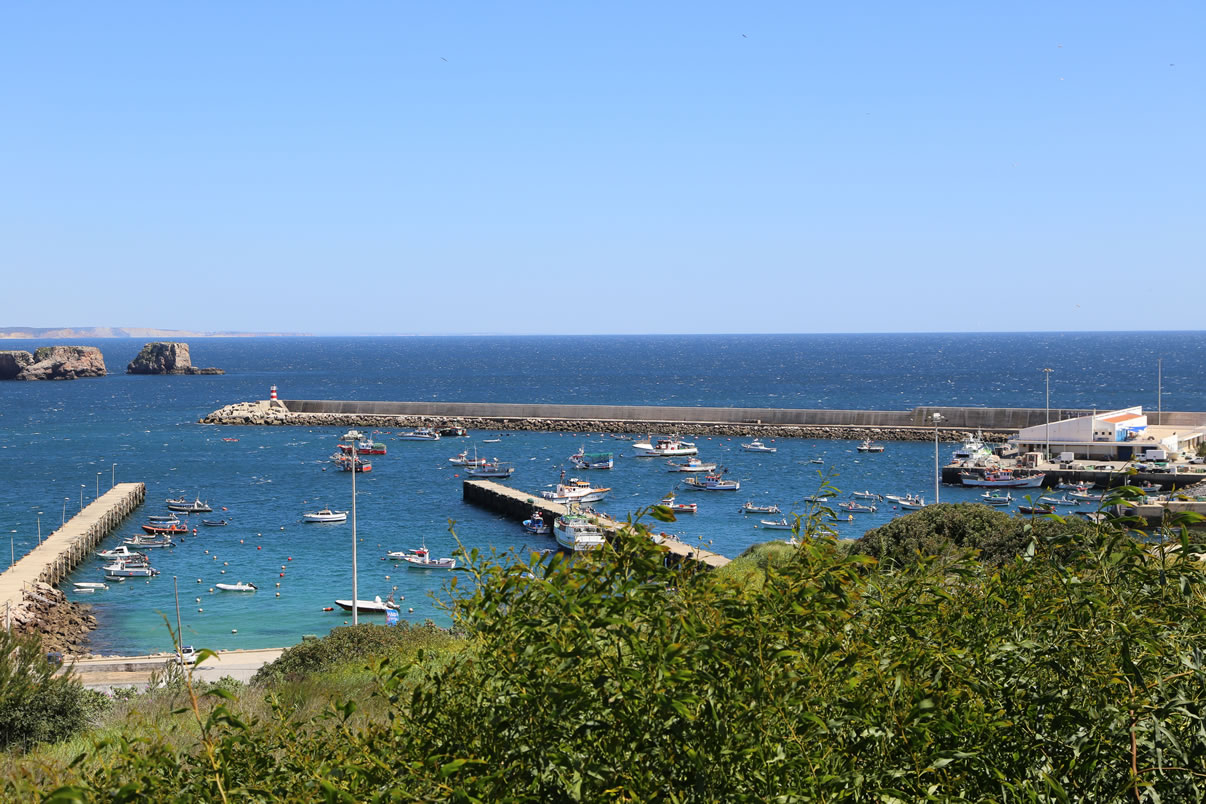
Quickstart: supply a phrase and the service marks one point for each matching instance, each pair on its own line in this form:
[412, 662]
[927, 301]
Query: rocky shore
[165, 357]
[63, 625]
[52, 363]
[274, 413]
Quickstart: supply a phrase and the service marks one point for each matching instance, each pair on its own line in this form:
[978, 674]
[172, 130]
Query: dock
[61, 551]
[519, 505]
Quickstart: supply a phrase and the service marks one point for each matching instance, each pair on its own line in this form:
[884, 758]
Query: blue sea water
[60, 441]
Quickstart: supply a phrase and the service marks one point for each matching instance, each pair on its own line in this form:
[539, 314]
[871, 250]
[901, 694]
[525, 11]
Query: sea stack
[53, 363]
[165, 357]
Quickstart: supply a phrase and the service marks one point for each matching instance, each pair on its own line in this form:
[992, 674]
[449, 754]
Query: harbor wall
[964, 418]
[25, 586]
[1101, 478]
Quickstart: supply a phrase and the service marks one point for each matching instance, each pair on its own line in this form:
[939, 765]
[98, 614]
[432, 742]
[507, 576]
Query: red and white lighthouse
[272, 392]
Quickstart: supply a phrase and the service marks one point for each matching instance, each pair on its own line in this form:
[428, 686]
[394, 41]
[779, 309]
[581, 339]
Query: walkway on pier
[520, 504]
[63, 549]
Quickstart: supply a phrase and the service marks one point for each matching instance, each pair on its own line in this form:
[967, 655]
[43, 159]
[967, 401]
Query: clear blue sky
[618, 167]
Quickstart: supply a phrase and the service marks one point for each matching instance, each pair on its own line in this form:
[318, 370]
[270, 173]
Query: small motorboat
[991, 498]
[463, 459]
[147, 542]
[1086, 496]
[236, 587]
[369, 447]
[1076, 486]
[690, 465]
[491, 469]
[712, 482]
[126, 569]
[166, 518]
[420, 434]
[165, 527]
[677, 507]
[750, 508]
[536, 524]
[452, 431]
[663, 448]
[89, 586]
[758, 446]
[420, 558]
[121, 551]
[1037, 509]
[912, 503]
[817, 460]
[870, 446]
[592, 460]
[346, 462]
[866, 495]
[1064, 500]
[325, 515]
[775, 524]
[214, 523]
[194, 507]
[575, 490]
[857, 508]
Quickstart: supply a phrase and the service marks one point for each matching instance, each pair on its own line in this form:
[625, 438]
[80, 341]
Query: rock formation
[165, 357]
[53, 363]
[63, 625]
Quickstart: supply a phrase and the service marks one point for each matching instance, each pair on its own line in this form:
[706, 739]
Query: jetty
[61, 551]
[520, 505]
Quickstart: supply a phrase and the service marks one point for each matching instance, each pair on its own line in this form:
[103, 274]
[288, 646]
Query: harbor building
[1113, 435]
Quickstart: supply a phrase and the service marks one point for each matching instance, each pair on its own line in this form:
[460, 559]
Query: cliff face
[53, 363]
[166, 358]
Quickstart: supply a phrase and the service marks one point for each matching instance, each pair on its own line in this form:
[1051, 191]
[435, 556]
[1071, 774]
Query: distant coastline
[31, 333]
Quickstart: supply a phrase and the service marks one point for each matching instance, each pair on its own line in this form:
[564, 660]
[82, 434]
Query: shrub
[349, 644]
[36, 705]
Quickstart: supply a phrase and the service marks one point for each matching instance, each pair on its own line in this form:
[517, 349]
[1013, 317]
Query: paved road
[106, 672]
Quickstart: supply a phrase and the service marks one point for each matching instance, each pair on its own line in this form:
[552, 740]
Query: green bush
[353, 643]
[35, 705]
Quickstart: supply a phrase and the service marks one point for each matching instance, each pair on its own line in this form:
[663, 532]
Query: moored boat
[681, 508]
[866, 495]
[194, 507]
[536, 524]
[236, 587]
[750, 508]
[1002, 478]
[155, 529]
[369, 447]
[857, 508]
[575, 531]
[420, 434]
[663, 447]
[121, 551]
[215, 523]
[996, 498]
[712, 482]
[1036, 509]
[757, 446]
[575, 491]
[374, 606]
[463, 459]
[592, 460]
[870, 446]
[420, 558]
[491, 469]
[125, 569]
[89, 586]
[775, 524]
[325, 515]
[692, 464]
[452, 431]
[346, 463]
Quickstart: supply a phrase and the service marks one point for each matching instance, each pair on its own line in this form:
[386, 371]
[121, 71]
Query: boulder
[13, 363]
[165, 357]
[64, 363]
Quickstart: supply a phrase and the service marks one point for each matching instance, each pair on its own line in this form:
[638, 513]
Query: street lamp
[82, 487]
[937, 418]
[354, 436]
[65, 500]
[1047, 382]
[12, 547]
[113, 476]
[39, 527]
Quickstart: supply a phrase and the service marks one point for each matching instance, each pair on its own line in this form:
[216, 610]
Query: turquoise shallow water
[61, 440]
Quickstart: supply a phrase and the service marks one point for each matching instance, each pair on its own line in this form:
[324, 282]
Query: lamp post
[12, 549]
[65, 499]
[937, 418]
[354, 437]
[39, 527]
[1047, 382]
[98, 474]
[113, 476]
[82, 487]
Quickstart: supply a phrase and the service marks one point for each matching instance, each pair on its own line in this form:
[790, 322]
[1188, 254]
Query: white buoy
[234, 630]
[278, 594]
[200, 609]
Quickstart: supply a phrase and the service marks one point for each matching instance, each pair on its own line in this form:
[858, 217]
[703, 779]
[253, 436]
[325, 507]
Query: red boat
[175, 528]
[364, 448]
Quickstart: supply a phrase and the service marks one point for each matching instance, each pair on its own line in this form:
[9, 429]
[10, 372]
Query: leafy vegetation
[1069, 669]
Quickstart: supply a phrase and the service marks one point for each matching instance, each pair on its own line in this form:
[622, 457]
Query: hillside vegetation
[1068, 669]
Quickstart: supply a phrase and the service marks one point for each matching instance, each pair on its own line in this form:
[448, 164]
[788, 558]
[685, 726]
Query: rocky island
[53, 363]
[166, 358]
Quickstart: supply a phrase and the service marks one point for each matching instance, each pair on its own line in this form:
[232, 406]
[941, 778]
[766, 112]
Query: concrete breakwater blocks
[277, 413]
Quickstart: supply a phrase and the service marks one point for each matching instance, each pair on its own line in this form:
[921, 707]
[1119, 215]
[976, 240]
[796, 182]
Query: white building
[1114, 435]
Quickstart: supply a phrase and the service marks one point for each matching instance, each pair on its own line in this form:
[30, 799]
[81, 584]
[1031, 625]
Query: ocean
[62, 441]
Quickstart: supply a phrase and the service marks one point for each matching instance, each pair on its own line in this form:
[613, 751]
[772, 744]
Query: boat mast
[355, 437]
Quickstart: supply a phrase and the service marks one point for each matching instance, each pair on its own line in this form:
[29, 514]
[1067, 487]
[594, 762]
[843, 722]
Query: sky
[619, 167]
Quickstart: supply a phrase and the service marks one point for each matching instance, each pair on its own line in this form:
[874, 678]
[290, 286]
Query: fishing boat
[374, 606]
[758, 446]
[194, 507]
[89, 586]
[870, 446]
[575, 491]
[692, 464]
[775, 524]
[452, 431]
[866, 495]
[592, 460]
[575, 531]
[682, 508]
[712, 482]
[421, 434]
[491, 469]
[369, 447]
[750, 508]
[236, 587]
[420, 558]
[325, 515]
[1002, 478]
[663, 447]
[346, 462]
[1036, 509]
[215, 523]
[857, 508]
[536, 524]
[463, 459]
[158, 528]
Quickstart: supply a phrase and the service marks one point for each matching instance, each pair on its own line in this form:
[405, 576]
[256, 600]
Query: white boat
[750, 508]
[420, 434]
[692, 464]
[775, 524]
[1087, 496]
[995, 498]
[870, 446]
[236, 587]
[124, 569]
[857, 508]
[592, 460]
[536, 524]
[866, 495]
[89, 586]
[758, 446]
[1002, 478]
[915, 504]
[325, 515]
[121, 551]
[713, 482]
[491, 469]
[1064, 500]
[973, 452]
[420, 558]
[194, 507]
[817, 460]
[374, 606]
[167, 519]
[911, 501]
[575, 491]
[677, 507]
[147, 542]
[464, 460]
[574, 531]
[663, 447]
[1077, 486]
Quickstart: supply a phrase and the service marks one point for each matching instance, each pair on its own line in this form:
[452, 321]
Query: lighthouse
[272, 392]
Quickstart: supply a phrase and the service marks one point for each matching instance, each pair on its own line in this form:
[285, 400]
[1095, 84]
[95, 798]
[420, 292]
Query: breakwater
[520, 505]
[996, 424]
[28, 599]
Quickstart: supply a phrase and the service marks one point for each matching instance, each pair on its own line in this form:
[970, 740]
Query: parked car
[188, 655]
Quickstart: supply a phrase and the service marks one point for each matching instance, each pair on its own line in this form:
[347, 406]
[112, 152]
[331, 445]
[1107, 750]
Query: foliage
[36, 705]
[359, 643]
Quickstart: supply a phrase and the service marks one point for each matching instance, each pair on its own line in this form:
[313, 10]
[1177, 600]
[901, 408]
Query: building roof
[1122, 417]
